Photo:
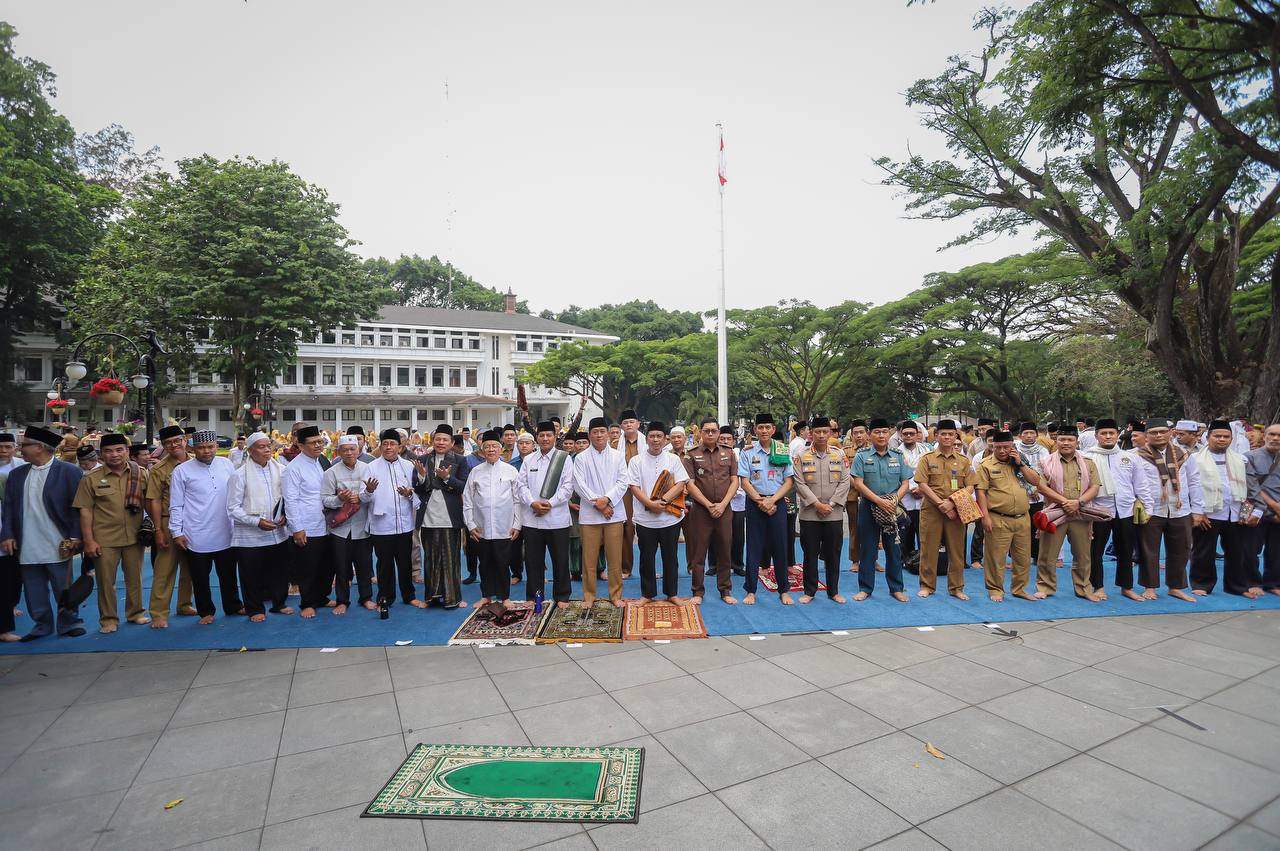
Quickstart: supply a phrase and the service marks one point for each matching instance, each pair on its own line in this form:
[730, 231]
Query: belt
[1012, 516]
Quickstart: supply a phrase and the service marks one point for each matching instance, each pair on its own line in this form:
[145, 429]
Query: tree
[796, 352]
[413, 281]
[107, 158]
[634, 320]
[1063, 124]
[1101, 367]
[232, 262]
[50, 216]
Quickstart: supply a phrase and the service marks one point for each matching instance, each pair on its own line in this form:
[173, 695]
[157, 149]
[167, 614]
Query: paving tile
[1062, 718]
[142, 658]
[216, 803]
[344, 775]
[313, 658]
[1173, 676]
[590, 650]
[326, 724]
[594, 720]
[703, 655]
[712, 823]
[1116, 694]
[330, 684]
[1021, 661]
[219, 744]
[344, 829]
[61, 824]
[1229, 732]
[1270, 679]
[1170, 624]
[1268, 818]
[113, 719]
[1068, 645]
[548, 684]
[890, 651]
[624, 670]
[911, 840]
[232, 667]
[1164, 821]
[133, 682]
[1008, 819]
[17, 732]
[755, 683]
[775, 645]
[896, 771]
[431, 706]
[960, 678]
[248, 840]
[672, 703]
[501, 729]
[996, 747]
[75, 772]
[1243, 837]
[826, 666]
[820, 723]
[665, 781]
[44, 694]
[779, 809]
[233, 700]
[576, 842]
[450, 833]
[1210, 658]
[724, 751]
[499, 660]
[1249, 698]
[435, 665]
[950, 639]
[899, 700]
[1263, 622]
[44, 666]
[1200, 773]
[1241, 640]
[1123, 632]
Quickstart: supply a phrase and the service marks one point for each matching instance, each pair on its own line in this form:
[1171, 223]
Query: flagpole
[722, 341]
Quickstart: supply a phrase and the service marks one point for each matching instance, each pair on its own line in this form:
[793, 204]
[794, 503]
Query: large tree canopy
[411, 280]
[634, 320]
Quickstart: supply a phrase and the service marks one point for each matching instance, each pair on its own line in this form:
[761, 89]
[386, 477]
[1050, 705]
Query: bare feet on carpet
[330, 604]
[696, 600]
[562, 604]
[1179, 594]
[340, 609]
[749, 600]
[860, 596]
[159, 623]
[786, 600]
[729, 600]
[1132, 595]
[924, 592]
[1253, 593]
[288, 610]
[960, 595]
[1040, 595]
[996, 598]
[257, 618]
[108, 628]
[1023, 595]
[805, 598]
[370, 605]
[588, 600]
[308, 612]
[418, 604]
[900, 596]
[206, 620]
[1200, 592]
[675, 600]
[1149, 594]
[617, 602]
[838, 598]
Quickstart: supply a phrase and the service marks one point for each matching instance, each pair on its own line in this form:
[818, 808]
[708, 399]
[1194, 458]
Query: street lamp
[143, 381]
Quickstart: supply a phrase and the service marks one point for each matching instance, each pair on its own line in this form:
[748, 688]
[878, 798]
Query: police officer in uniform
[713, 481]
[1001, 480]
[939, 474]
[822, 486]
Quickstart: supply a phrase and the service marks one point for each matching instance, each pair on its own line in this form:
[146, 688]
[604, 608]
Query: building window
[419, 376]
[537, 344]
[384, 376]
[522, 344]
[405, 341]
[309, 414]
[290, 415]
[424, 342]
[384, 339]
[329, 374]
[180, 413]
[438, 342]
[308, 373]
[348, 338]
[328, 414]
[82, 415]
[473, 342]
[455, 377]
[456, 415]
[472, 377]
[366, 414]
[329, 337]
[552, 345]
[224, 415]
[348, 374]
[204, 378]
[202, 414]
[437, 376]
[348, 413]
[109, 415]
[402, 376]
[291, 374]
[366, 376]
[493, 376]
[495, 346]
[33, 369]
[366, 339]
[402, 414]
[437, 414]
[386, 413]
[455, 342]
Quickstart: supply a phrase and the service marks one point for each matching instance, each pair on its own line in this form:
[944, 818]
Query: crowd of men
[398, 516]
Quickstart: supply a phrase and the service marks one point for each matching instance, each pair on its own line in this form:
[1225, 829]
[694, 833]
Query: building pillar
[337, 420]
[413, 419]
[377, 420]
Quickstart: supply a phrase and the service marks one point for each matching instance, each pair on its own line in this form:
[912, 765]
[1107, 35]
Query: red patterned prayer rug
[661, 619]
[796, 573]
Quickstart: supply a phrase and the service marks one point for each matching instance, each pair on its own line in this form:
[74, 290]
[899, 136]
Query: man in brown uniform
[631, 446]
[170, 560]
[1070, 480]
[822, 484]
[713, 480]
[858, 439]
[110, 503]
[1006, 517]
[939, 474]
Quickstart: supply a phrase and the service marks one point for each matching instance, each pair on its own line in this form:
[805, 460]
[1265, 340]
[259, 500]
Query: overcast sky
[574, 160]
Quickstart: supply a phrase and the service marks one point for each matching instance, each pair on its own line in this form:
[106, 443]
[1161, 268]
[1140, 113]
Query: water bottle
[537, 603]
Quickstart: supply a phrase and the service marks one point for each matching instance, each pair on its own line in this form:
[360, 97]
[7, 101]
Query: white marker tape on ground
[574, 644]
[662, 641]
[757, 637]
[839, 632]
[328, 650]
[486, 644]
[924, 629]
[404, 643]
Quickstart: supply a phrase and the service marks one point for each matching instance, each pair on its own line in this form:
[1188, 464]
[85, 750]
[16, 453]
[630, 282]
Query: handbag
[147, 533]
[665, 482]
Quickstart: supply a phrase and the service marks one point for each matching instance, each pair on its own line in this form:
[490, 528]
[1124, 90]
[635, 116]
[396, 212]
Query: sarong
[441, 566]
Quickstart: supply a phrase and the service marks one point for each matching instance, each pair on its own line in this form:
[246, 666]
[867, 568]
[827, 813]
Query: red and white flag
[721, 168]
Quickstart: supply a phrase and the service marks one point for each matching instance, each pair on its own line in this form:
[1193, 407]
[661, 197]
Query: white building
[413, 367]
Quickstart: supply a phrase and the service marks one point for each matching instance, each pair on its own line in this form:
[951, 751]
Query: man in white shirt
[600, 478]
[801, 441]
[491, 517]
[1224, 485]
[658, 515]
[630, 444]
[913, 449]
[201, 525]
[255, 501]
[345, 493]
[9, 460]
[392, 511]
[1106, 456]
[1166, 479]
[544, 486]
[238, 454]
[304, 519]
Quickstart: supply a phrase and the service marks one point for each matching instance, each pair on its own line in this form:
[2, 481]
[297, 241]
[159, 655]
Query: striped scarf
[1167, 463]
[133, 490]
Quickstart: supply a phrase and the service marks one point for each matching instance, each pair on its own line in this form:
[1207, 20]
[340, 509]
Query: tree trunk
[1264, 404]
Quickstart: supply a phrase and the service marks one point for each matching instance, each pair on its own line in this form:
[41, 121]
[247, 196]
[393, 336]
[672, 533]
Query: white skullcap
[524, 435]
[349, 440]
[1187, 425]
[255, 437]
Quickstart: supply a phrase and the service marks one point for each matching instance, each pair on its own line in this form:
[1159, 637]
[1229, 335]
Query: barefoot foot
[749, 600]
[206, 620]
[257, 618]
[786, 600]
[838, 598]
[308, 612]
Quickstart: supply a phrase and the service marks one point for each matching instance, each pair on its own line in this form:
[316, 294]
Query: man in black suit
[442, 474]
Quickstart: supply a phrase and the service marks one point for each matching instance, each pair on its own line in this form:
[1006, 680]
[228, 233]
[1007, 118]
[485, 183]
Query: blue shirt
[754, 466]
[882, 473]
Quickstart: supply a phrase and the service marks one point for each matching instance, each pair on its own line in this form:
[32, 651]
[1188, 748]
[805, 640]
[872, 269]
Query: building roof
[439, 317]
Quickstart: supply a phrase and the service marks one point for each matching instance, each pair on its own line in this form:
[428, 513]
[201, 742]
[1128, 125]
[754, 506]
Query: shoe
[75, 632]
[739, 571]
[470, 580]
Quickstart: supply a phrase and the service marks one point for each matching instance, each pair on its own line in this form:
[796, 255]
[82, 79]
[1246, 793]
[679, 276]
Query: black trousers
[791, 543]
[1264, 544]
[739, 545]
[264, 577]
[495, 563]
[517, 555]
[668, 539]
[10, 591]
[473, 554]
[910, 538]
[1035, 539]
[825, 539]
[224, 561]
[1204, 557]
[1122, 531]
[395, 566]
[352, 557]
[312, 571]
[536, 544]
[975, 544]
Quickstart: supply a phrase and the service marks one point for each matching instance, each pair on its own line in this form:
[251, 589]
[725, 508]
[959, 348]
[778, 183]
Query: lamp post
[145, 380]
[58, 392]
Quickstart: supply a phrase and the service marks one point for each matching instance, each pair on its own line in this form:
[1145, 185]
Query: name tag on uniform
[894, 464]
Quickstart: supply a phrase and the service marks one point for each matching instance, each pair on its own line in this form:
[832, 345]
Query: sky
[574, 157]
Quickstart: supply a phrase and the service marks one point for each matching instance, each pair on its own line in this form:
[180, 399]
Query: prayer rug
[601, 622]
[479, 627]
[661, 619]
[795, 571]
[514, 783]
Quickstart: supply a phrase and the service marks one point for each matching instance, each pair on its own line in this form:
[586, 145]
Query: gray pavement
[1058, 738]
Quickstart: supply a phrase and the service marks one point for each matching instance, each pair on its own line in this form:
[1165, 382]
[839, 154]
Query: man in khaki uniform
[169, 560]
[858, 439]
[110, 503]
[822, 487]
[713, 481]
[1070, 480]
[939, 474]
[1006, 515]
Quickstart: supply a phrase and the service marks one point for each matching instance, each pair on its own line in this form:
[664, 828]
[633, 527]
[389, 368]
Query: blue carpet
[361, 628]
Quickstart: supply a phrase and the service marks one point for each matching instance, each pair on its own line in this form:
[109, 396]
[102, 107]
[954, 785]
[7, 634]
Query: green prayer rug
[512, 783]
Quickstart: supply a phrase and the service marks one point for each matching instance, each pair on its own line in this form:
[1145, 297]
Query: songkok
[1187, 425]
[597, 422]
[208, 435]
[261, 435]
[1159, 422]
[657, 425]
[443, 428]
[880, 422]
[1214, 425]
[628, 414]
[857, 423]
[7, 438]
[906, 424]
[546, 425]
[390, 434]
[1068, 431]
[359, 430]
[189, 430]
[1137, 425]
[943, 425]
[349, 440]
[86, 452]
[307, 432]
[764, 419]
[42, 435]
[983, 421]
[998, 436]
[1051, 427]
[492, 434]
[1106, 422]
[1026, 425]
[508, 427]
[580, 435]
[138, 448]
[820, 422]
[113, 440]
